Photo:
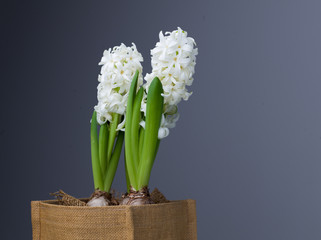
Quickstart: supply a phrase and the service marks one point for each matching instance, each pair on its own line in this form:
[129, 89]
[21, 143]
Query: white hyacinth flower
[118, 68]
[173, 62]
[168, 121]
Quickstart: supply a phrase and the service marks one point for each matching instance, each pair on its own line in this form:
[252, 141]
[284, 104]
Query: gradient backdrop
[247, 146]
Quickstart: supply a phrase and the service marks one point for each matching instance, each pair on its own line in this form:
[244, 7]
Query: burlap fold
[175, 220]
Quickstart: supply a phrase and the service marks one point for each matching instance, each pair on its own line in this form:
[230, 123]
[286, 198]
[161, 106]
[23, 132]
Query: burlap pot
[175, 220]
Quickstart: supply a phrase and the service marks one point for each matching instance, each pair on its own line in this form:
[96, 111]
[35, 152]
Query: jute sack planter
[175, 220]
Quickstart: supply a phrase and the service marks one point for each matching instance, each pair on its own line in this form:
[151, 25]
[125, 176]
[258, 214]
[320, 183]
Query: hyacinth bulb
[99, 199]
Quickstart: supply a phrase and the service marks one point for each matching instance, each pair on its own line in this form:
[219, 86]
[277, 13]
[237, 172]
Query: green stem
[97, 174]
[154, 111]
[103, 139]
[135, 126]
[113, 163]
[112, 135]
[131, 168]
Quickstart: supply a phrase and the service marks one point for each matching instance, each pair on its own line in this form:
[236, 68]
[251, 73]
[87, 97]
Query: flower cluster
[173, 62]
[118, 68]
[147, 111]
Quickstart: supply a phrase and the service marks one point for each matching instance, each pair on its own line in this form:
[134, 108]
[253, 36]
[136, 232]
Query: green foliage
[141, 144]
[104, 155]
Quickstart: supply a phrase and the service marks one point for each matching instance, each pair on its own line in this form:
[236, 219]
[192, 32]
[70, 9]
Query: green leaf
[127, 178]
[141, 140]
[97, 173]
[103, 139]
[112, 135]
[113, 163]
[154, 111]
[131, 167]
[135, 126]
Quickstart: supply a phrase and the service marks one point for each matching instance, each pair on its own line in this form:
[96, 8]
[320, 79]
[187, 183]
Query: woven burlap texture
[175, 220]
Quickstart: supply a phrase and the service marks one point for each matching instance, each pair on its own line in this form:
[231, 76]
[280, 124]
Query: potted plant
[139, 115]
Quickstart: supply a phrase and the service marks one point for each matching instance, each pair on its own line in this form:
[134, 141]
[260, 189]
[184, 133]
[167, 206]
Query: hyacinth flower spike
[119, 65]
[173, 65]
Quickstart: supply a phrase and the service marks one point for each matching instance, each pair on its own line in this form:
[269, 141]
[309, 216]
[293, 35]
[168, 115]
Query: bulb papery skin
[98, 202]
[118, 68]
[137, 198]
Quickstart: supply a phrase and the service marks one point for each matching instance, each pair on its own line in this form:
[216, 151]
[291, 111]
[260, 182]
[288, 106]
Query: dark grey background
[247, 146]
